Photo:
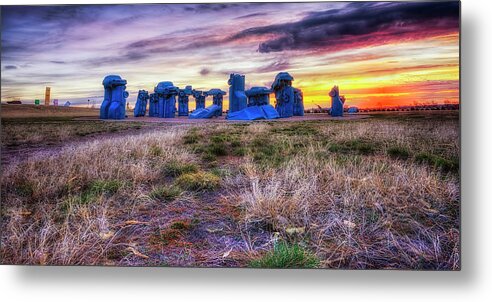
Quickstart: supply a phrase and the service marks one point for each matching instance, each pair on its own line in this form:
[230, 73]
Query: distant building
[14, 102]
[47, 96]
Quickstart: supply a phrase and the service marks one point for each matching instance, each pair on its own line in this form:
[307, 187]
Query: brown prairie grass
[41, 111]
[380, 193]
[359, 206]
[49, 131]
[53, 213]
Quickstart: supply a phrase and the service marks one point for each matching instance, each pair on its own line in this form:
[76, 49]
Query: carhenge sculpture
[211, 111]
[258, 106]
[199, 99]
[166, 93]
[114, 103]
[237, 97]
[141, 105]
[258, 96]
[218, 98]
[153, 105]
[298, 102]
[183, 100]
[284, 94]
[336, 102]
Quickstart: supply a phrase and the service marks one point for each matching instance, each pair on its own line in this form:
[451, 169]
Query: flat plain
[380, 192]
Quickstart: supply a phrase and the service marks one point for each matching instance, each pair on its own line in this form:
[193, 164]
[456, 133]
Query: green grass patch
[199, 181]
[192, 137]
[286, 255]
[217, 149]
[155, 150]
[176, 168]
[181, 225]
[216, 144]
[439, 162]
[358, 146]
[398, 152]
[165, 193]
[221, 172]
[268, 151]
[297, 129]
[167, 236]
[209, 157]
[25, 189]
[97, 188]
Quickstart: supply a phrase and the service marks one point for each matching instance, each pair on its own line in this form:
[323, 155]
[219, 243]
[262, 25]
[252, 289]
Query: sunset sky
[379, 53]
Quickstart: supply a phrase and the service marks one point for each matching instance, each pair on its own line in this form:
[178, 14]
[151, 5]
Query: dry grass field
[33, 111]
[375, 193]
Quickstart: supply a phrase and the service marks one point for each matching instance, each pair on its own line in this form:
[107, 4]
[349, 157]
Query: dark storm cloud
[60, 16]
[251, 16]
[355, 22]
[214, 7]
[28, 30]
[169, 44]
[204, 71]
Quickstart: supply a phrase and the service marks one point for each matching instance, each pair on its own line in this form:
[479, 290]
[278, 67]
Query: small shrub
[175, 168]
[398, 153]
[199, 181]
[284, 255]
[165, 193]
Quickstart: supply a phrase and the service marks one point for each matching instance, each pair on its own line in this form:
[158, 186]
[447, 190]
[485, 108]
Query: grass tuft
[176, 168]
[155, 150]
[96, 189]
[286, 255]
[438, 162]
[192, 137]
[398, 152]
[199, 181]
[165, 193]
